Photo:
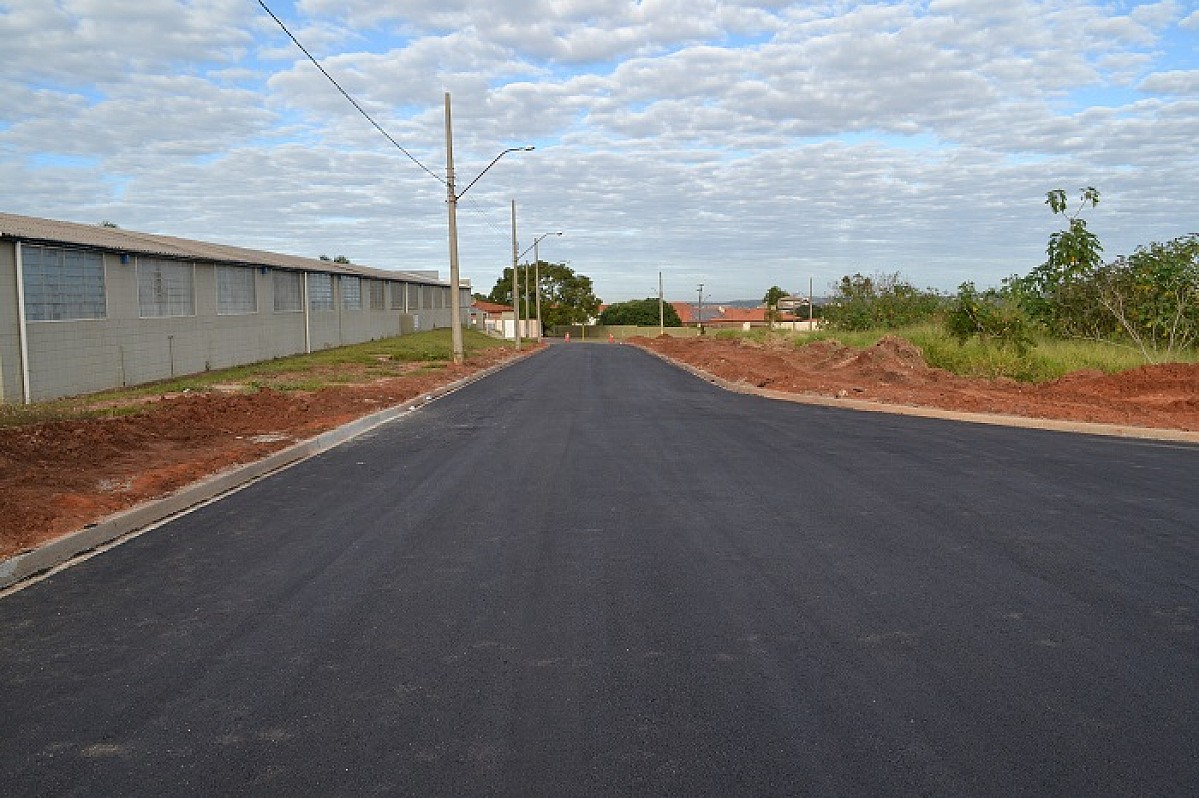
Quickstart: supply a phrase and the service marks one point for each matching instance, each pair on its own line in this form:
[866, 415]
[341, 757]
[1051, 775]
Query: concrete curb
[1024, 422]
[59, 551]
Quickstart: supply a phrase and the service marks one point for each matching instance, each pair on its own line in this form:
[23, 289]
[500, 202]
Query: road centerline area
[592, 573]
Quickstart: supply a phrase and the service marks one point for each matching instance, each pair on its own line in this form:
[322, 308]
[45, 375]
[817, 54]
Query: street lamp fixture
[452, 198]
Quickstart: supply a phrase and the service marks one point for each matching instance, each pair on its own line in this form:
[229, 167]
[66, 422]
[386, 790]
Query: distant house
[793, 303]
[685, 310]
[734, 318]
[489, 316]
[88, 307]
[497, 319]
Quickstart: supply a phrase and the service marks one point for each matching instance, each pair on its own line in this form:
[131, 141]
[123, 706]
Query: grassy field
[371, 360]
[1048, 360]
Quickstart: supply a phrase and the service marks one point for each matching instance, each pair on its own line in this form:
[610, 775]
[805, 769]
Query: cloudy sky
[734, 144]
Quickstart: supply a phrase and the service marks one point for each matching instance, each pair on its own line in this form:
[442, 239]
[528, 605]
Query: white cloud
[1177, 82]
[735, 143]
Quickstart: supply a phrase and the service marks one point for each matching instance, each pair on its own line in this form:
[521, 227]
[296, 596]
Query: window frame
[41, 278]
[223, 305]
[164, 288]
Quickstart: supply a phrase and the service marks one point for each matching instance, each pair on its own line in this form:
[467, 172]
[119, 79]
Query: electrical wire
[486, 217]
[346, 94]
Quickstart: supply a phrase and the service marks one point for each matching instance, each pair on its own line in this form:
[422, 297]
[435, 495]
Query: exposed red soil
[893, 371]
[57, 477]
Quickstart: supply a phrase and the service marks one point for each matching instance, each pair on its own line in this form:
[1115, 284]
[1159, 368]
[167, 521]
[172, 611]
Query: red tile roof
[491, 307]
[685, 310]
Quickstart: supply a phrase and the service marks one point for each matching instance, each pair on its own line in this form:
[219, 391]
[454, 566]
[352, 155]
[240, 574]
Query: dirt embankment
[894, 371]
[57, 477]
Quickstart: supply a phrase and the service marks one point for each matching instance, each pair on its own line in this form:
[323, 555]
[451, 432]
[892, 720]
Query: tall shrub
[880, 301]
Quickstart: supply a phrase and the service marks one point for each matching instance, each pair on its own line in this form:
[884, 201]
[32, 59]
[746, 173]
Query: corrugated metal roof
[115, 239]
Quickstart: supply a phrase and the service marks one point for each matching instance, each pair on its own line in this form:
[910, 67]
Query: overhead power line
[346, 94]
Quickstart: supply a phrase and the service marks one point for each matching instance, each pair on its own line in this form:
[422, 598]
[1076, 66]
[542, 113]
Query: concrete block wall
[10, 341]
[74, 357]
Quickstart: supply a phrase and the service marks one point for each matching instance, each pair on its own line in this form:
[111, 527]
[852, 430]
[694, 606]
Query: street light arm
[494, 161]
[537, 241]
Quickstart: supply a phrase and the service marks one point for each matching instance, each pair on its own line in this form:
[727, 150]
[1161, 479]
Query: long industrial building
[88, 307]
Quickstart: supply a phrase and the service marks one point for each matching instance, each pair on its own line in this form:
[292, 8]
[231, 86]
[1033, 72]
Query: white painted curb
[996, 419]
[61, 550]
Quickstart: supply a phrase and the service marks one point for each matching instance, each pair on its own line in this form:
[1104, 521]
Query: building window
[378, 294]
[397, 296]
[289, 291]
[63, 284]
[351, 293]
[235, 291]
[165, 288]
[320, 291]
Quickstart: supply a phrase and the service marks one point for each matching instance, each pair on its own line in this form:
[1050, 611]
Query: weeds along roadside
[388, 357]
[1048, 359]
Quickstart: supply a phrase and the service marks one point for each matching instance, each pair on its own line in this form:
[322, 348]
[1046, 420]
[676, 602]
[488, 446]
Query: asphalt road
[595, 574]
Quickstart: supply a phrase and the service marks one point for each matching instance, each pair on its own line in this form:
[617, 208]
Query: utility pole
[515, 281]
[661, 308]
[537, 285]
[699, 311]
[452, 202]
[811, 307]
[452, 197]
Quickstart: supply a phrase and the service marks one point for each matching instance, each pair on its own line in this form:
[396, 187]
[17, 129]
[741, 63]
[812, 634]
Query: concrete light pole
[452, 198]
[661, 308]
[699, 309]
[537, 278]
[515, 282]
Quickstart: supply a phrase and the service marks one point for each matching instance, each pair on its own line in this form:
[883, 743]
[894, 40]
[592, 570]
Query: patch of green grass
[1049, 359]
[433, 348]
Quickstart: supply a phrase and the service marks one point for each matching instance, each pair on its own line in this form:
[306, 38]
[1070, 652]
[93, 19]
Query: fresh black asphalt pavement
[595, 574]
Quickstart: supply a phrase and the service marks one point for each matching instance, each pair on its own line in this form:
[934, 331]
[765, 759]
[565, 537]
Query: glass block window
[397, 295]
[63, 284]
[320, 291]
[378, 298]
[235, 291]
[165, 288]
[289, 291]
[351, 293]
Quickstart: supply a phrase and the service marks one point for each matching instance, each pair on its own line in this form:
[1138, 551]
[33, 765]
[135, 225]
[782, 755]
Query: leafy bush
[991, 316]
[884, 300]
[1152, 296]
[642, 313]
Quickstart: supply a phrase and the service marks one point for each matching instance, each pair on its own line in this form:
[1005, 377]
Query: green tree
[881, 301]
[771, 300]
[641, 312]
[1051, 292]
[566, 297]
[1152, 296]
[993, 315]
